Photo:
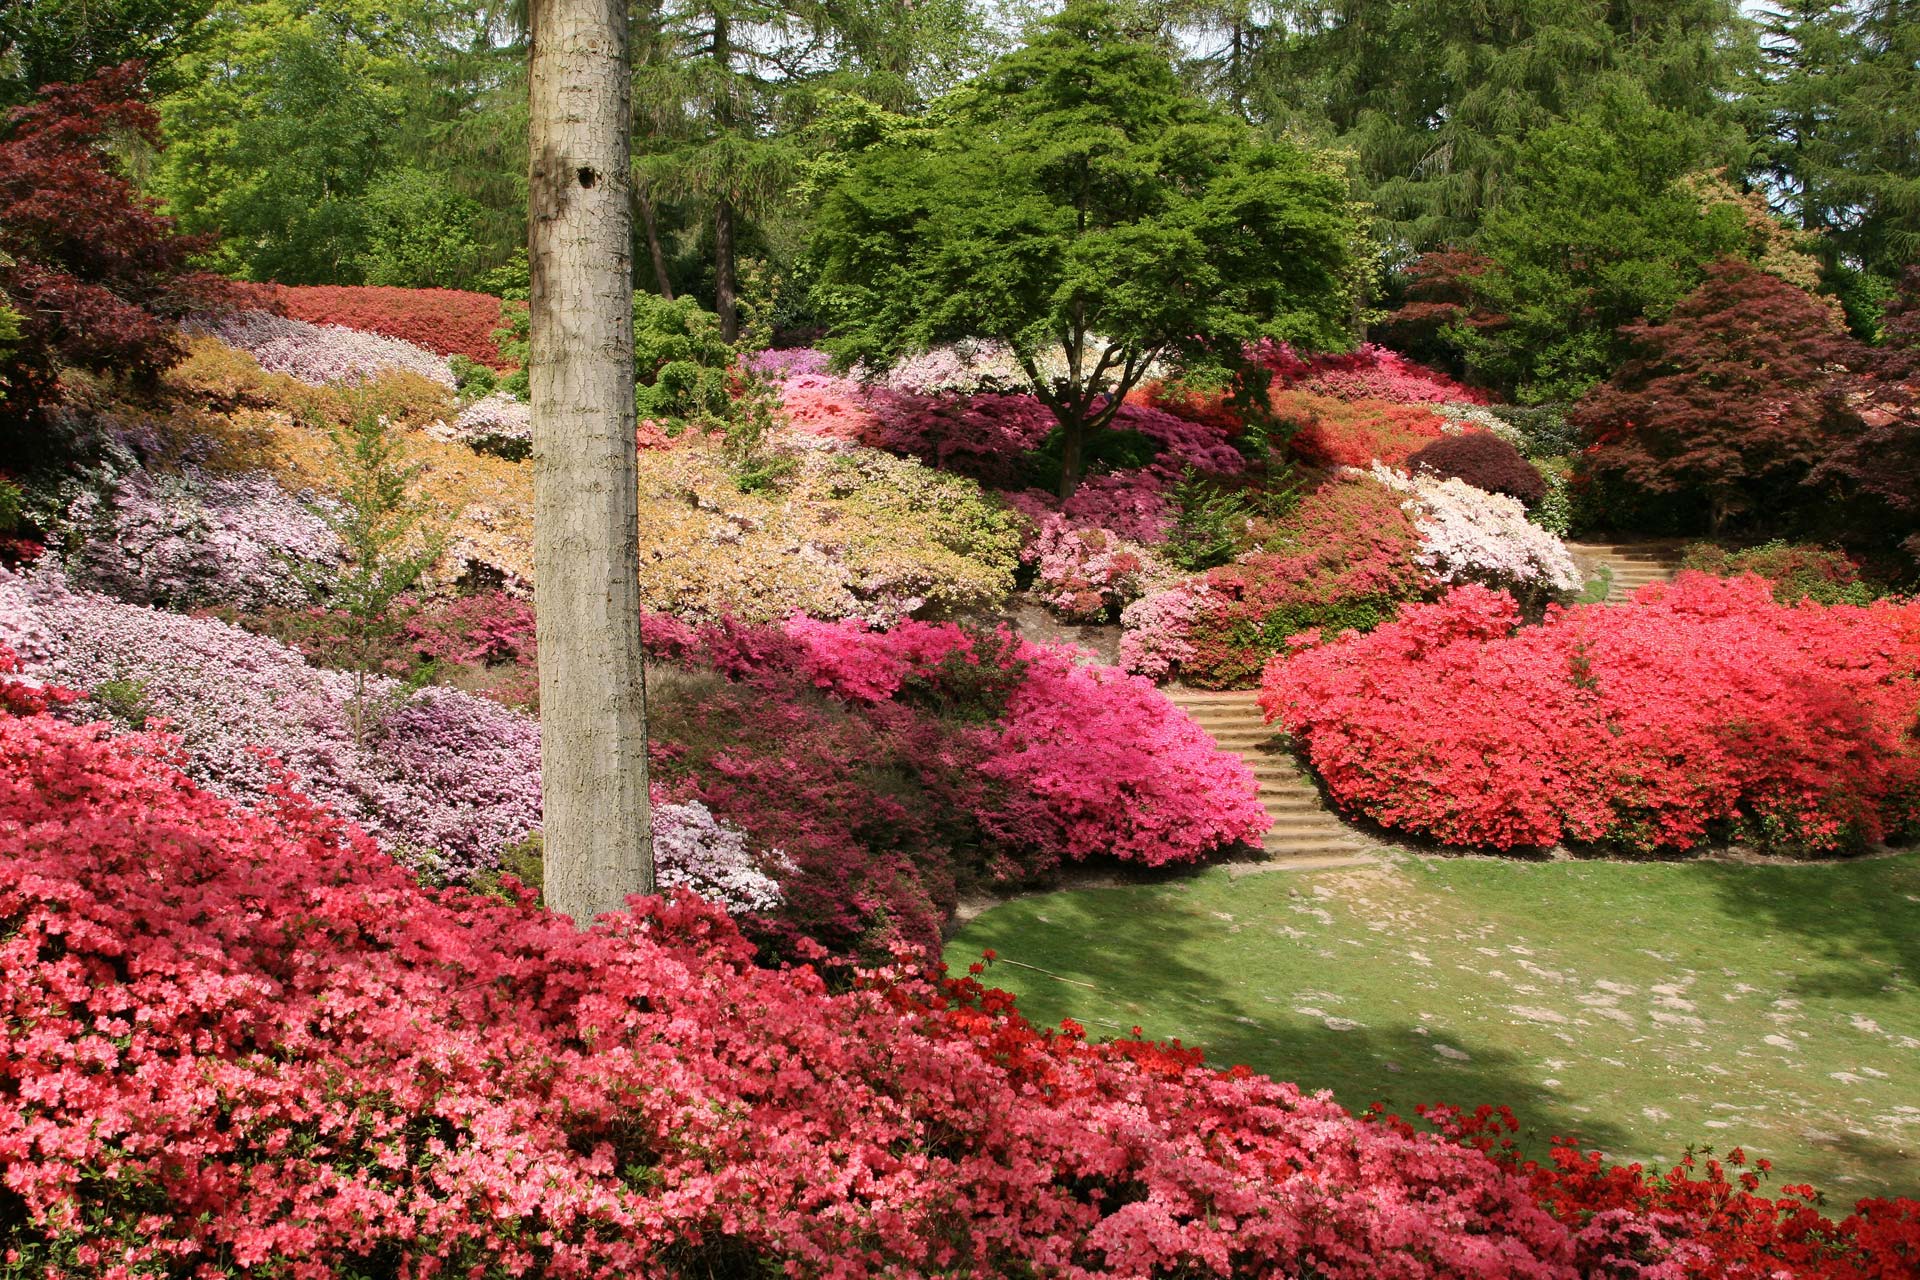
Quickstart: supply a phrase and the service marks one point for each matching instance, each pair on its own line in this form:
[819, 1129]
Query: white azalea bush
[1470, 535]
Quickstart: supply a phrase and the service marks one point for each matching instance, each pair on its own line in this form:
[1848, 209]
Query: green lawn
[1642, 1006]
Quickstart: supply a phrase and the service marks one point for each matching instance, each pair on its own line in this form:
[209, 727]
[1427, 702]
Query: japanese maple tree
[1719, 408]
[95, 271]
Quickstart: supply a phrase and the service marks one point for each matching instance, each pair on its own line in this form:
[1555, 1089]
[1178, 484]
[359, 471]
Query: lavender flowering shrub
[192, 538]
[319, 354]
[443, 780]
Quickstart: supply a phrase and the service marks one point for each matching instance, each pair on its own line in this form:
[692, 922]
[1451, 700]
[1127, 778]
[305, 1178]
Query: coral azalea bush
[248, 1042]
[1704, 708]
[448, 322]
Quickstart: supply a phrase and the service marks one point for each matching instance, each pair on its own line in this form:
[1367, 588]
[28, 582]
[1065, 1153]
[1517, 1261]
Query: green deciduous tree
[1076, 203]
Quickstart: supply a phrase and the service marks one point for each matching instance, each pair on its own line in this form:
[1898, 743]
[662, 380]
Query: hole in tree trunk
[588, 177]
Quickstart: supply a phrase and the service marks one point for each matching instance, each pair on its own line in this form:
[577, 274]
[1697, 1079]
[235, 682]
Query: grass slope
[1642, 1006]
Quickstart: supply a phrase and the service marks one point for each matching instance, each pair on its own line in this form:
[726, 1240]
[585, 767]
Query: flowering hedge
[1703, 709]
[447, 322]
[270, 1048]
[1370, 372]
[1089, 574]
[1470, 535]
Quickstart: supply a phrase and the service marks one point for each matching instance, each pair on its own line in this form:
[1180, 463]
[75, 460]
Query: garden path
[1305, 834]
[1632, 564]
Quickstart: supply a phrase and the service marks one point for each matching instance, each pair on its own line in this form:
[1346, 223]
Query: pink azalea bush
[1100, 761]
[1369, 372]
[193, 538]
[321, 354]
[1088, 574]
[1703, 709]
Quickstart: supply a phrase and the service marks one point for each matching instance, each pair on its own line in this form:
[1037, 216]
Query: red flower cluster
[1704, 709]
[1330, 432]
[448, 322]
[246, 1041]
[1699, 1221]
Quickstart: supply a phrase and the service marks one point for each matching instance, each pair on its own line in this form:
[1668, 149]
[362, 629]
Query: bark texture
[593, 759]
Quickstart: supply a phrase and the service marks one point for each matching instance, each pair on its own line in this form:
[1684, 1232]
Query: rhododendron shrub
[447, 322]
[1825, 575]
[1703, 709]
[268, 1047]
[1342, 560]
[337, 1069]
[1089, 574]
[898, 768]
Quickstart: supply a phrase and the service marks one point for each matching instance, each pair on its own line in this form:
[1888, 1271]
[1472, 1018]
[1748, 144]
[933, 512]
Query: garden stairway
[1632, 564]
[1305, 832]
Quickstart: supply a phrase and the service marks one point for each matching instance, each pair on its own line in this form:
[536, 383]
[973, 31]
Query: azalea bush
[1089, 574]
[1798, 571]
[899, 768]
[1329, 432]
[847, 532]
[1470, 535]
[1342, 559]
[522, 1097]
[447, 322]
[193, 538]
[1703, 710]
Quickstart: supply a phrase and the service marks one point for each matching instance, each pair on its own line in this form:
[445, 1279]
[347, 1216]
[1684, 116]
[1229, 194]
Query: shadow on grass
[1859, 920]
[1112, 968]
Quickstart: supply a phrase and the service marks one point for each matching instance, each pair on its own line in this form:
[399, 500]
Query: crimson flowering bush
[1703, 709]
[246, 1040]
[447, 322]
[270, 1046]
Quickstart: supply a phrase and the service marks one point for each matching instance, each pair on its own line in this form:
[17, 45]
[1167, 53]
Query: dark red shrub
[447, 321]
[1719, 412]
[1871, 477]
[94, 270]
[1483, 460]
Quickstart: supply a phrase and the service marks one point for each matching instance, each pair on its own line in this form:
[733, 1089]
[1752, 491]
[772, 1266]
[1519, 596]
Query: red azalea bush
[1342, 560]
[1705, 708]
[1484, 461]
[448, 322]
[1330, 432]
[248, 1042]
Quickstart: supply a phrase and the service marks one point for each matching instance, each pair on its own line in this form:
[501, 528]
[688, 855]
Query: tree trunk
[643, 202]
[586, 540]
[725, 302]
[1073, 439]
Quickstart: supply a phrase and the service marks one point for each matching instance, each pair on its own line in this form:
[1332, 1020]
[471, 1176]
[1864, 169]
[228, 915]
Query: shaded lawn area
[1641, 1006]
